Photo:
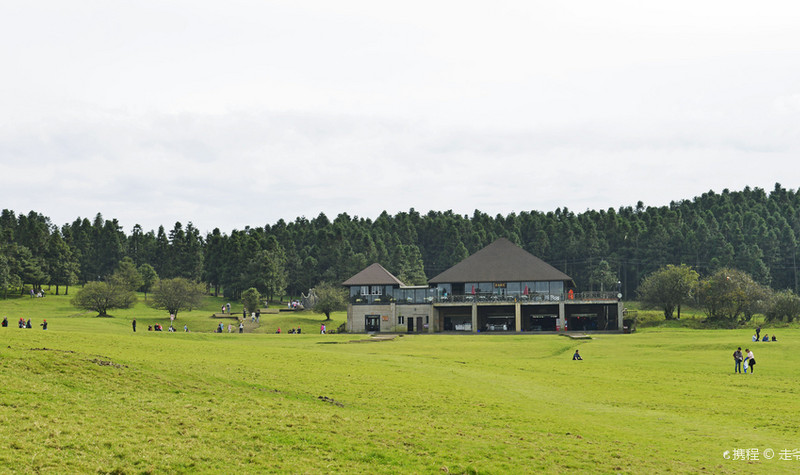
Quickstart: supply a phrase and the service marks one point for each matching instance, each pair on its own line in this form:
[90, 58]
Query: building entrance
[372, 323]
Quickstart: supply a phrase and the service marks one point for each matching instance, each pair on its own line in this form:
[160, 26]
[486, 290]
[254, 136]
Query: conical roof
[373, 275]
[501, 261]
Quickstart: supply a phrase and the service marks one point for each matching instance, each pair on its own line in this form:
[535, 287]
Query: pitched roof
[501, 261]
[373, 275]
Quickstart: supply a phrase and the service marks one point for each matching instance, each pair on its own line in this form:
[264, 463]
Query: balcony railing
[483, 298]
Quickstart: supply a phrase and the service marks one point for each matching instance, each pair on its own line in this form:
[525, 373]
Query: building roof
[501, 261]
[373, 275]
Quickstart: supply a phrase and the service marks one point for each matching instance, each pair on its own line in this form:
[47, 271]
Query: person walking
[133, 324]
[751, 361]
[758, 332]
[737, 358]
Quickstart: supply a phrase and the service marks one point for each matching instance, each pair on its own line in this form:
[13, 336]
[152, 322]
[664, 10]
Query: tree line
[751, 230]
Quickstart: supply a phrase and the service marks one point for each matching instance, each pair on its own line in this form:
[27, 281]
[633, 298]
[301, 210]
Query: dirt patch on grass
[330, 400]
[106, 363]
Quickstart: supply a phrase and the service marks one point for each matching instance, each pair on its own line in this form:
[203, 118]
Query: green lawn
[89, 395]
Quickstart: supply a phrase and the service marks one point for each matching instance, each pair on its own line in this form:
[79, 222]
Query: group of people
[757, 336]
[221, 328]
[158, 328]
[766, 338]
[22, 323]
[747, 360]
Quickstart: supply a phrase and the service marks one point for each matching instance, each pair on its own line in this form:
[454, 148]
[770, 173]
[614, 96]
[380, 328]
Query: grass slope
[88, 395]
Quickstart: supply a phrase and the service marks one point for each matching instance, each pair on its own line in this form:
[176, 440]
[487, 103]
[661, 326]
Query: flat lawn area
[89, 395]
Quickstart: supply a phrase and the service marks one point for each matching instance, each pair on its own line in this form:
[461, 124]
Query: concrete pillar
[619, 315]
[518, 316]
[562, 315]
[474, 317]
[433, 326]
[349, 325]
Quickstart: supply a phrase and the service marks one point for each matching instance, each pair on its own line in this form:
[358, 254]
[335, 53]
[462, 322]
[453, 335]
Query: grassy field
[89, 395]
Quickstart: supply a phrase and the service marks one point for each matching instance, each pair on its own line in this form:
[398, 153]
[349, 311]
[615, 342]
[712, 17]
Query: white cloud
[245, 112]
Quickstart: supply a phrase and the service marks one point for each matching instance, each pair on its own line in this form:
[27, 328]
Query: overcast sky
[238, 113]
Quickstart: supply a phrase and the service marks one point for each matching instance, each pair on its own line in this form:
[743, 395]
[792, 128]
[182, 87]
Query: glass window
[543, 287]
[557, 287]
[514, 288]
[364, 290]
[377, 289]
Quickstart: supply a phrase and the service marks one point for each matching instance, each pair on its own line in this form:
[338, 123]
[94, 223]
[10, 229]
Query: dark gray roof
[501, 261]
[373, 275]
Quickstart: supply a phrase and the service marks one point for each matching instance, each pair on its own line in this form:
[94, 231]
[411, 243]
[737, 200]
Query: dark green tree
[784, 306]
[176, 294]
[103, 296]
[730, 294]
[128, 275]
[330, 298]
[668, 288]
[251, 300]
[149, 278]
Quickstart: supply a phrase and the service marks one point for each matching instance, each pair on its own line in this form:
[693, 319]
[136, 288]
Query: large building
[501, 288]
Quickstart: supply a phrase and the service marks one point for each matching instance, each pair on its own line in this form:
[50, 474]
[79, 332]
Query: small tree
[330, 298]
[668, 288]
[149, 278]
[103, 296]
[251, 299]
[783, 305]
[730, 293]
[176, 294]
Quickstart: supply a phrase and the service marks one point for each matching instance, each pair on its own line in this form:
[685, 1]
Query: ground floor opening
[456, 319]
[592, 317]
[500, 318]
[372, 323]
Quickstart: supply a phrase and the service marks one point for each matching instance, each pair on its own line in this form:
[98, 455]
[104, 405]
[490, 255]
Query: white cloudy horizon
[249, 112]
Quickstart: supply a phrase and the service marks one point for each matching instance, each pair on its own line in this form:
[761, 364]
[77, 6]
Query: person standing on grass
[737, 357]
[758, 332]
[44, 324]
[241, 326]
[133, 324]
[751, 360]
